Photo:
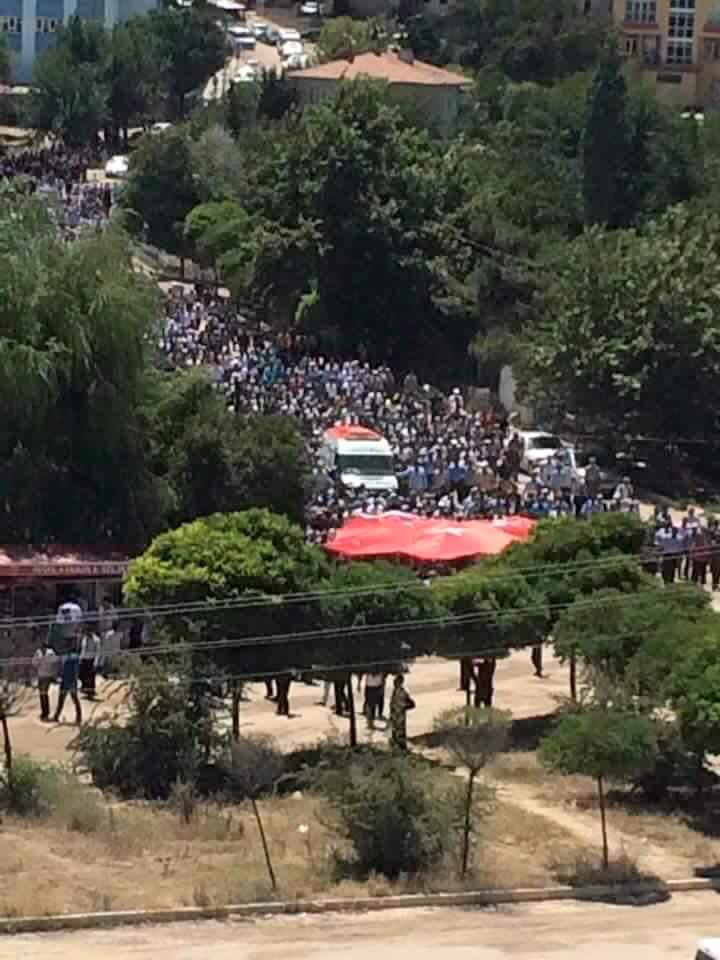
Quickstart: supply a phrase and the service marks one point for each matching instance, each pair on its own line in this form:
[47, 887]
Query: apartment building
[30, 26]
[675, 46]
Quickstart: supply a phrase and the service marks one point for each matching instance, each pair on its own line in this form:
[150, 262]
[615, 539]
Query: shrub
[35, 789]
[395, 813]
[166, 737]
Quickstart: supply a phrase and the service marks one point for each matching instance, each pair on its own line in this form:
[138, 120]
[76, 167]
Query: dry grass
[668, 830]
[90, 855]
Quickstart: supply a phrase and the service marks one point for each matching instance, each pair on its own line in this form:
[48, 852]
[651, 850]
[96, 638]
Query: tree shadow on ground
[525, 734]
[622, 882]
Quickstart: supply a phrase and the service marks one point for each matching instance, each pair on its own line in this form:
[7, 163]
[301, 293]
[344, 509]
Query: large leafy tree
[634, 347]
[215, 461]
[190, 47]
[131, 76]
[384, 596]
[161, 191]
[350, 231]
[251, 556]
[605, 144]
[69, 84]
[75, 324]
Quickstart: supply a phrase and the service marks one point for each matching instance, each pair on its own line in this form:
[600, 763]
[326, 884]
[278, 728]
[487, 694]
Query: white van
[361, 457]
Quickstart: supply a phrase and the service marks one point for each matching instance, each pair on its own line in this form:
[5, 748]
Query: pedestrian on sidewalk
[89, 657]
[283, 694]
[374, 697]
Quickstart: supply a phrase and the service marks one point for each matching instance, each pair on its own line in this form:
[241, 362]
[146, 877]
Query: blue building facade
[30, 26]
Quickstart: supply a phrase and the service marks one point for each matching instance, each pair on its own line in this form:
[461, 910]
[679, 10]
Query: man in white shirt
[374, 696]
[46, 665]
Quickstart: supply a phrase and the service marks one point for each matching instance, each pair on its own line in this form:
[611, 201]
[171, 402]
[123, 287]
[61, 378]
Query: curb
[479, 898]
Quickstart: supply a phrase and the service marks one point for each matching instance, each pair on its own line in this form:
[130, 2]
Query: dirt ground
[433, 685]
[559, 931]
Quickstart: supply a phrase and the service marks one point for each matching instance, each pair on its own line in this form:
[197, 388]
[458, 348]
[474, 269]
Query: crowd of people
[61, 174]
[451, 460]
[687, 549]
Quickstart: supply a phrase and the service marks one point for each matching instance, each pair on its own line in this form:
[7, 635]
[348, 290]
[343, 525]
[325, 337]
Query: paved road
[560, 931]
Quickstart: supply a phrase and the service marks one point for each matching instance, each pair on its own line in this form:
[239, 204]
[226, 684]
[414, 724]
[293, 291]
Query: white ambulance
[360, 456]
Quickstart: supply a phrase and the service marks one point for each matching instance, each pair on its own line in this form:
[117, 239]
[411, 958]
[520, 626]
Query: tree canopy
[613, 345]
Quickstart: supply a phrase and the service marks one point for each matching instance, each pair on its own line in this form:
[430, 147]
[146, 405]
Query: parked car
[286, 35]
[540, 447]
[260, 29]
[243, 37]
[271, 34]
[293, 48]
[311, 9]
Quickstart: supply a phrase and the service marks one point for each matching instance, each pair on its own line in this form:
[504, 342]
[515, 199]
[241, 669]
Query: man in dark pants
[69, 686]
[283, 694]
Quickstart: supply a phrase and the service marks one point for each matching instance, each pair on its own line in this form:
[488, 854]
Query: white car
[540, 447]
[287, 34]
[311, 9]
[296, 61]
[293, 48]
[243, 37]
[117, 167]
[708, 950]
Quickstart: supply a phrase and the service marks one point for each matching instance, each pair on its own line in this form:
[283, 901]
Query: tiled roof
[387, 66]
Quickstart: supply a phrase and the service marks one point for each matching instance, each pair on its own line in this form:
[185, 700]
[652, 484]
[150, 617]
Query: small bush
[35, 789]
[23, 789]
[395, 812]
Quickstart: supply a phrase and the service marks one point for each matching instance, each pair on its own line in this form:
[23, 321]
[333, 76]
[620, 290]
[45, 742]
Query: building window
[679, 52]
[631, 46]
[10, 24]
[681, 30]
[711, 50]
[46, 25]
[641, 11]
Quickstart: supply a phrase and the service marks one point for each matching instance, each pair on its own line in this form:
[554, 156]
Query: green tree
[215, 461]
[131, 75]
[190, 48]
[605, 145]
[612, 351]
[498, 609]
[69, 84]
[76, 325]
[251, 557]
[160, 191]
[380, 595]
[212, 229]
[604, 745]
[343, 37]
[305, 263]
[472, 737]
[608, 629]
[5, 61]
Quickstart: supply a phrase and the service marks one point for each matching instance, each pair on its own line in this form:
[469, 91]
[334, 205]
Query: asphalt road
[554, 931]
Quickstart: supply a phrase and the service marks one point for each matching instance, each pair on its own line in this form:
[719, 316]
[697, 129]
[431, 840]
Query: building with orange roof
[434, 92]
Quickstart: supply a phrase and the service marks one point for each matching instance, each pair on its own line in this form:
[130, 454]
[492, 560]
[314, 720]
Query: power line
[194, 608]
[442, 621]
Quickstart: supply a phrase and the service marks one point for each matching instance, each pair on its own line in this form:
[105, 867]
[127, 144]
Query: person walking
[484, 671]
[374, 697]
[46, 665]
[400, 703]
[89, 656]
[283, 694]
[69, 686]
